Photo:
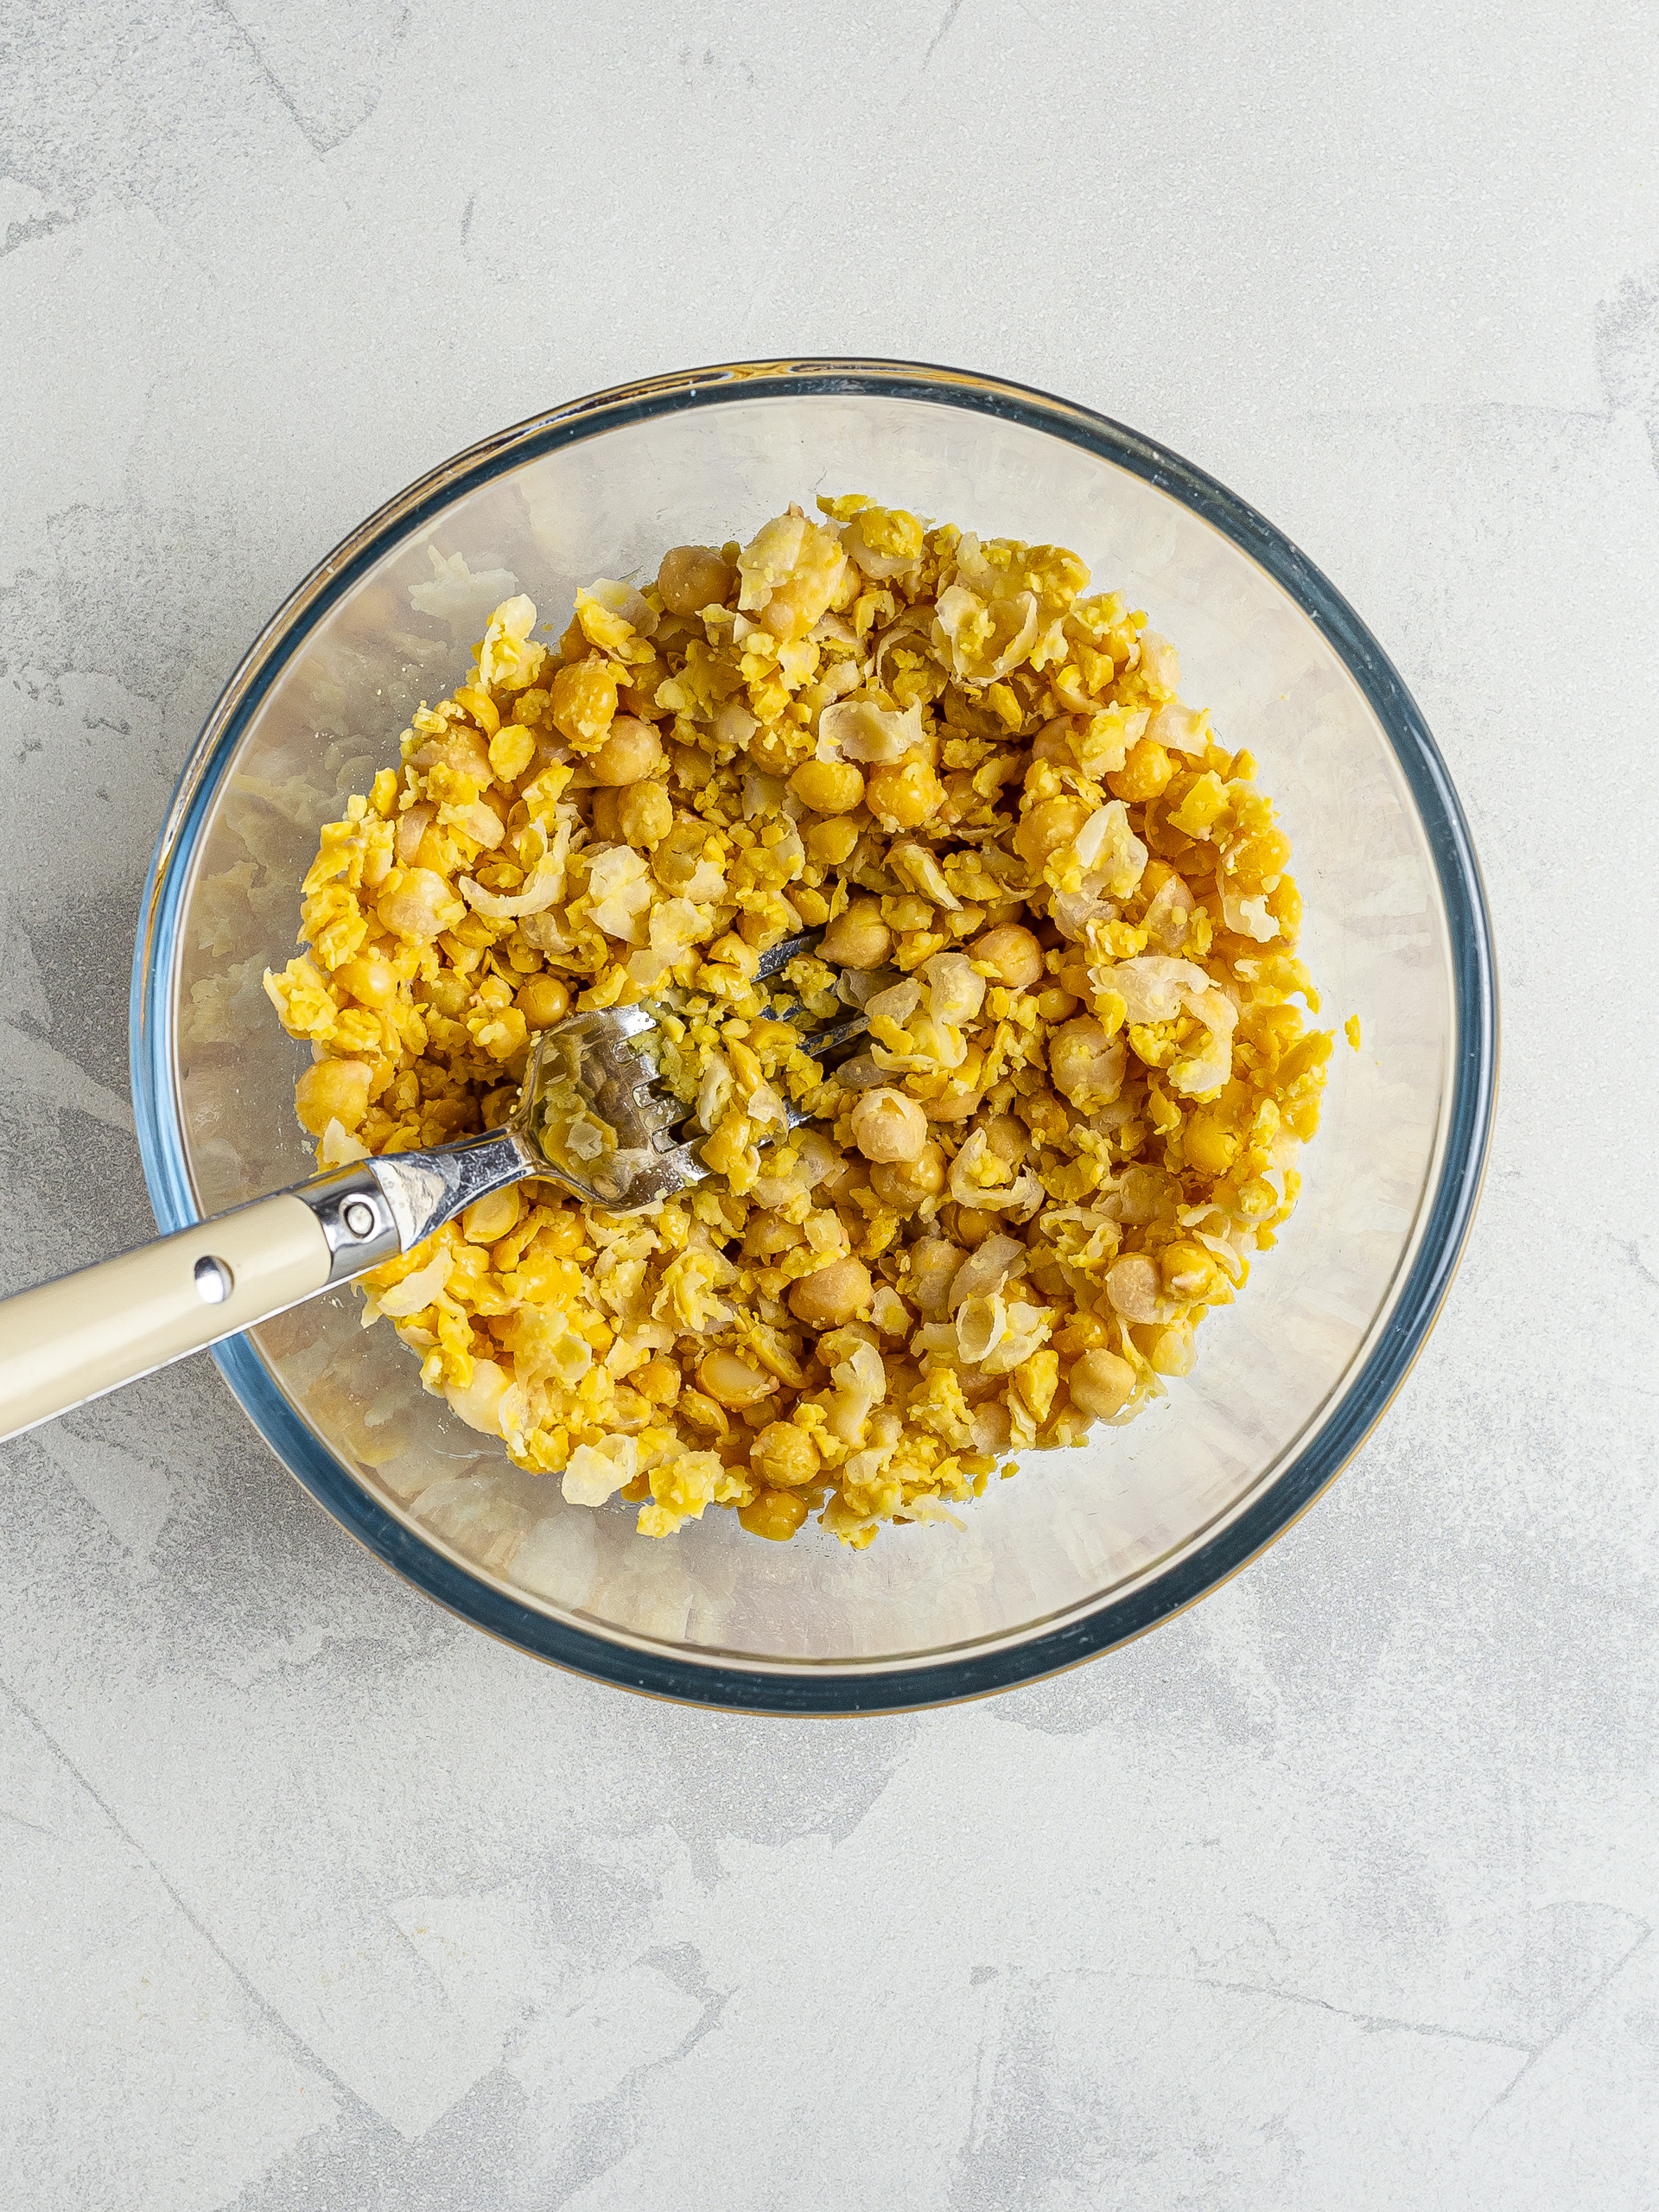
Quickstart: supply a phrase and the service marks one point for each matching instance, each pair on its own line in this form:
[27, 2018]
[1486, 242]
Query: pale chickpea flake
[1062, 902]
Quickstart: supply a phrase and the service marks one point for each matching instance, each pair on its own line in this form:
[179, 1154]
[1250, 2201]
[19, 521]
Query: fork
[72, 1340]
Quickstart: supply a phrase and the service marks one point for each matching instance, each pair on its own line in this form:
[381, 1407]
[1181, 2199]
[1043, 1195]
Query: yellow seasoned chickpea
[733, 1381]
[512, 750]
[658, 1381]
[543, 1000]
[1210, 1146]
[1051, 823]
[584, 702]
[1145, 774]
[700, 1410]
[836, 1293]
[1012, 953]
[420, 905]
[1055, 1005]
[903, 1184]
[1086, 1064]
[1100, 1384]
[488, 1220]
[828, 786]
[693, 577]
[371, 980]
[1083, 1332]
[904, 794]
[1189, 1271]
[632, 751]
[644, 815]
[639, 695]
[333, 1090]
[973, 1225]
[1046, 1119]
[774, 1514]
[887, 1125]
[783, 1456]
[857, 938]
[1170, 1350]
[830, 844]
[1259, 862]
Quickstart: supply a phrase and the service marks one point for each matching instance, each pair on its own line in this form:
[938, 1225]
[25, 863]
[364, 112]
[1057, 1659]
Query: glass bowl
[1085, 1548]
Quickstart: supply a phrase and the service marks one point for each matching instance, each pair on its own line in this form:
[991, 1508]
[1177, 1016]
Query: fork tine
[775, 961]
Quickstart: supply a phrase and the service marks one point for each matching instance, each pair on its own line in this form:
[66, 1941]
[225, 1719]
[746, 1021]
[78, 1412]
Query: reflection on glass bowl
[1085, 1548]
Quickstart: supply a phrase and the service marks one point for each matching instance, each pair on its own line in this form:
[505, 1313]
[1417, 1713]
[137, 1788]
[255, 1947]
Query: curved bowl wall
[1083, 1548]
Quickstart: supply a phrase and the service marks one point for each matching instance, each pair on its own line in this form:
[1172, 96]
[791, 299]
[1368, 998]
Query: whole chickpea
[774, 749]
[834, 1294]
[1012, 952]
[693, 577]
[631, 751]
[1086, 1065]
[904, 794]
[857, 937]
[333, 1090]
[1260, 861]
[421, 904]
[783, 1456]
[889, 1126]
[1145, 774]
[543, 1000]
[1100, 1384]
[371, 979]
[1051, 823]
[774, 1514]
[828, 786]
[903, 1184]
[644, 815]
[973, 1225]
[831, 842]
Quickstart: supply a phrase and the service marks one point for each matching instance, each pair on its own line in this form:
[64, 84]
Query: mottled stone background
[1338, 1890]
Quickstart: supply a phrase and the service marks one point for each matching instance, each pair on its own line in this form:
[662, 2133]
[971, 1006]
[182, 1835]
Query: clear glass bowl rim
[826, 1689]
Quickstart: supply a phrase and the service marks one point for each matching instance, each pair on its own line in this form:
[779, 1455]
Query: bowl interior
[322, 710]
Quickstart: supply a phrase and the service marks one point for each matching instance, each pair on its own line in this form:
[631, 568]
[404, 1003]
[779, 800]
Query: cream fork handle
[89, 1332]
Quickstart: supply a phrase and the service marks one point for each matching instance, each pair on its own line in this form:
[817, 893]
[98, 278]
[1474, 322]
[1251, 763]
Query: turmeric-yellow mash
[1063, 903]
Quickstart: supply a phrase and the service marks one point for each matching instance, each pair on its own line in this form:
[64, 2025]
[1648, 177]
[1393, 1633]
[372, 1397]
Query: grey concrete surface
[1338, 1891]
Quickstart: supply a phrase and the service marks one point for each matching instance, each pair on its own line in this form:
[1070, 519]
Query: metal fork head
[595, 1110]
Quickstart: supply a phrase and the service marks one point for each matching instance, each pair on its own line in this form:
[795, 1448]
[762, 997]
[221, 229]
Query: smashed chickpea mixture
[1062, 902]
